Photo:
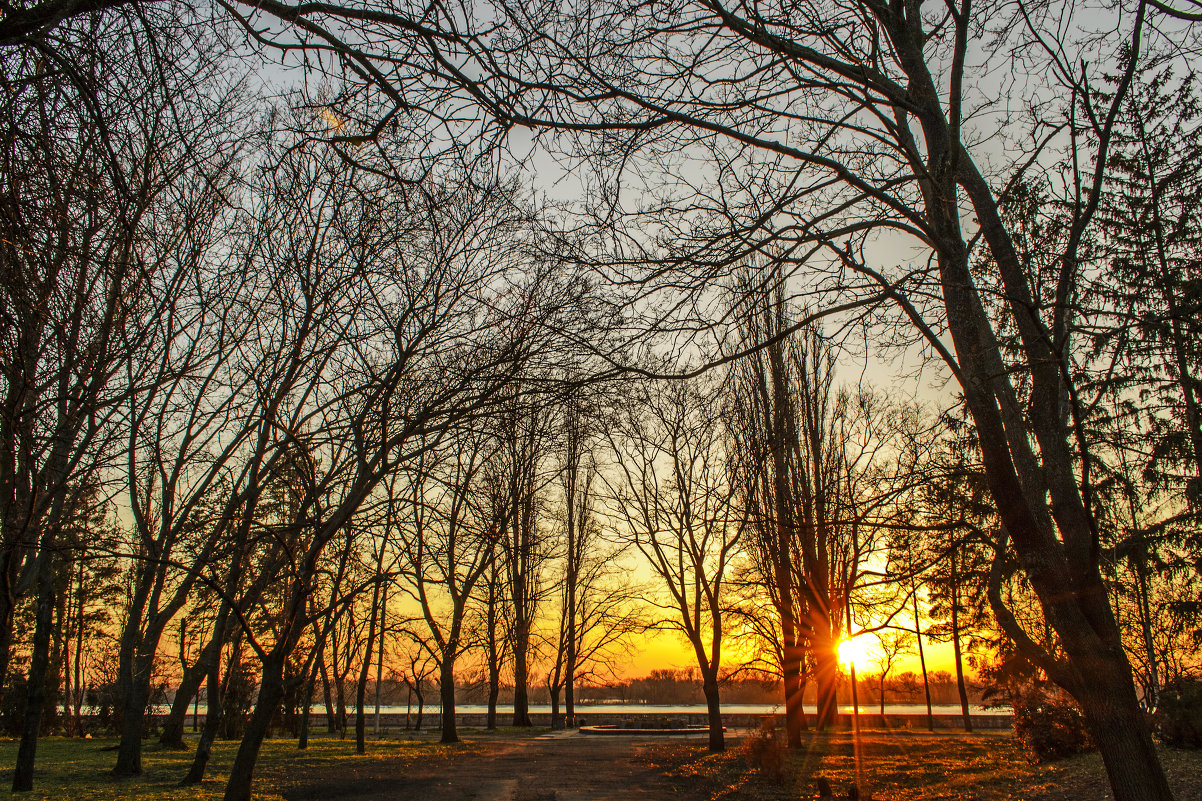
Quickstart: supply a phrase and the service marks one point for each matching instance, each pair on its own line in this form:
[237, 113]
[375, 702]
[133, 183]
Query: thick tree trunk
[1054, 541]
[569, 679]
[135, 693]
[494, 694]
[556, 715]
[271, 692]
[39, 663]
[521, 698]
[1117, 725]
[446, 693]
[713, 708]
[826, 674]
[794, 687]
[569, 702]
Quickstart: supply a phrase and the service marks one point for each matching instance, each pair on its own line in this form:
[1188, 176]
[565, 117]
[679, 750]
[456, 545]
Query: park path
[554, 767]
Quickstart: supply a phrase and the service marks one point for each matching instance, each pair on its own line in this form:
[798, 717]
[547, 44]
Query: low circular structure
[655, 727]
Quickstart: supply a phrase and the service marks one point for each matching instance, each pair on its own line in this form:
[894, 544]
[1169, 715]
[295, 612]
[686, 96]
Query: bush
[1179, 713]
[1049, 725]
[765, 751]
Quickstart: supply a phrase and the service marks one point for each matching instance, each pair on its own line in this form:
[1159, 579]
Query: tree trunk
[713, 710]
[134, 693]
[960, 686]
[189, 686]
[361, 685]
[569, 700]
[380, 653]
[214, 708]
[271, 692]
[1117, 725]
[39, 663]
[794, 686]
[1145, 623]
[446, 693]
[302, 739]
[65, 621]
[494, 694]
[331, 725]
[922, 663]
[556, 715]
[826, 673]
[7, 606]
[521, 698]
[77, 700]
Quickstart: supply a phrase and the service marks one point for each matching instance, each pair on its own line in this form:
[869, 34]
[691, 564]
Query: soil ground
[895, 765]
[551, 767]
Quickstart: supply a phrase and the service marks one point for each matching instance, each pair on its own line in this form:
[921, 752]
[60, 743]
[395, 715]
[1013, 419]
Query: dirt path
[560, 767]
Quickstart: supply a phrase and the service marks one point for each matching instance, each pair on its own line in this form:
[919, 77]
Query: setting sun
[853, 651]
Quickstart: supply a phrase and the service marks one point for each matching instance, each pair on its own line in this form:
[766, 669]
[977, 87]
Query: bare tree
[892, 645]
[839, 123]
[674, 495]
[447, 541]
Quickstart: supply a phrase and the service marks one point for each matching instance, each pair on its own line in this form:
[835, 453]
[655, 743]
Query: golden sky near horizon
[658, 650]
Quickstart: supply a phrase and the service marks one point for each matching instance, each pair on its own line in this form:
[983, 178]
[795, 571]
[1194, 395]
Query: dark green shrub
[1049, 725]
[1179, 713]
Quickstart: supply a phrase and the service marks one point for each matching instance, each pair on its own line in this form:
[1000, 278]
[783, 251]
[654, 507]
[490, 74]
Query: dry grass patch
[906, 766]
[79, 769]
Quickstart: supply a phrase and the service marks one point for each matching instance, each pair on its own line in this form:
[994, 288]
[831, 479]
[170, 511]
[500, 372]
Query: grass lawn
[907, 766]
[897, 766]
[79, 769]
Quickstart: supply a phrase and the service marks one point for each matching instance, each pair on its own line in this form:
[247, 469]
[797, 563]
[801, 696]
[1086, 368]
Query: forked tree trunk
[189, 686]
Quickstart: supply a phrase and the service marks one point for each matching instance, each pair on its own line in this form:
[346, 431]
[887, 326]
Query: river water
[687, 709]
